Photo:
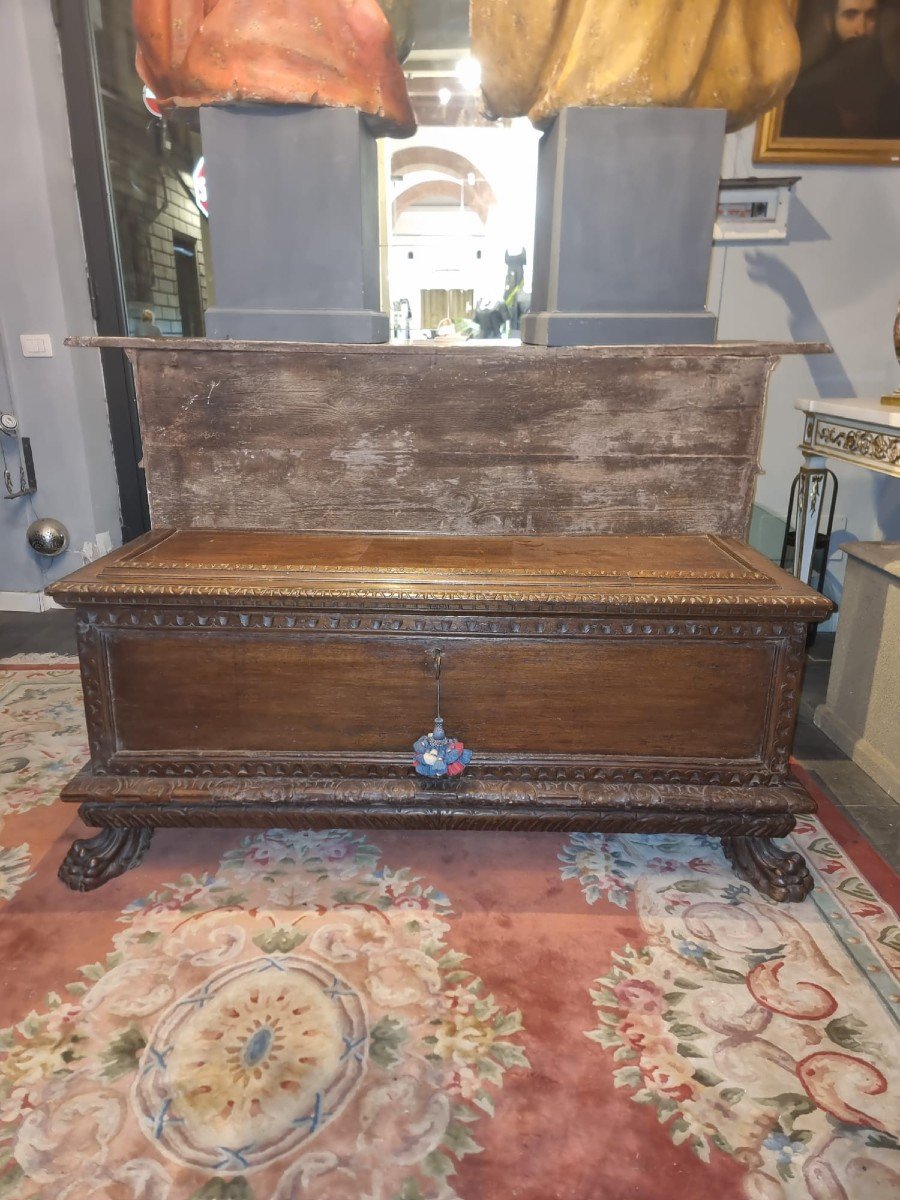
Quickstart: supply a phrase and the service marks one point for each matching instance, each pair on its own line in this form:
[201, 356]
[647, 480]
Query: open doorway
[187, 282]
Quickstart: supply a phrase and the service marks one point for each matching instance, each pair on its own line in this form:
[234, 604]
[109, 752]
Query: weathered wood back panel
[459, 440]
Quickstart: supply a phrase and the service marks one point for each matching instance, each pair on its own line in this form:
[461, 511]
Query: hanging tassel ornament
[437, 755]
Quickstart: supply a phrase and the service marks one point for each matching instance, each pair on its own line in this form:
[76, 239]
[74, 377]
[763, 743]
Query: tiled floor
[871, 809]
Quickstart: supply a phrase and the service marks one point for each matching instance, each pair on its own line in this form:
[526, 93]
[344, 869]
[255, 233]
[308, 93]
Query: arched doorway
[440, 219]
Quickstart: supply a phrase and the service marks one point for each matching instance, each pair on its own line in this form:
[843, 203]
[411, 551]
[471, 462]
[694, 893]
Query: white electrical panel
[753, 210]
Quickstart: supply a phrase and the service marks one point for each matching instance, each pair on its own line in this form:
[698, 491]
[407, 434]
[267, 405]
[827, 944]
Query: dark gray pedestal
[293, 196]
[627, 201]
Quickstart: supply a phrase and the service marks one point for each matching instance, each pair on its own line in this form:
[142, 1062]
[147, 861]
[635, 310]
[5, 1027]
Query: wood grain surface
[227, 652]
[324, 694]
[689, 575]
[452, 440]
[295, 668]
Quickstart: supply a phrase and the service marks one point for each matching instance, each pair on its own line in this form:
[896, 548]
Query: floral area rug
[42, 743]
[419, 1016]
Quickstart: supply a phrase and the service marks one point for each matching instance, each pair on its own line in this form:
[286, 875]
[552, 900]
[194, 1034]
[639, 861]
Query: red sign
[198, 179]
[151, 103]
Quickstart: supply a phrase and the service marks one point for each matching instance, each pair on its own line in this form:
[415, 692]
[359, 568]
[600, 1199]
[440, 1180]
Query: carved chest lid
[689, 574]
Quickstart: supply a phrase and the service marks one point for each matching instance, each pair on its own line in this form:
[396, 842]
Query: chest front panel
[684, 695]
[601, 658]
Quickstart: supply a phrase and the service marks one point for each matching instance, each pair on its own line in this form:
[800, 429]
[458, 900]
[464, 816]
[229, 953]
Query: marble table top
[863, 409]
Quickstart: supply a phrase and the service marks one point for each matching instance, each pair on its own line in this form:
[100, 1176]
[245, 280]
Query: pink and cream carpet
[420, 1016]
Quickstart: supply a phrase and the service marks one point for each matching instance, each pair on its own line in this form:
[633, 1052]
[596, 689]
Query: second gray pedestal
[627, 200]
[293, 196]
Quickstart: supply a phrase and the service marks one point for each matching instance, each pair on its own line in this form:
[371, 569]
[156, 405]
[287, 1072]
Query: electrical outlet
[36, 345]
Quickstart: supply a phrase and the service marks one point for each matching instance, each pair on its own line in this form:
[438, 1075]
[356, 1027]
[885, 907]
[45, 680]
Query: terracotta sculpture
[539, 56]
[332, 53]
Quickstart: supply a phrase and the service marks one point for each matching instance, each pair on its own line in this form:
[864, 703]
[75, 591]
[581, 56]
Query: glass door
[152, 164]
[141, 192]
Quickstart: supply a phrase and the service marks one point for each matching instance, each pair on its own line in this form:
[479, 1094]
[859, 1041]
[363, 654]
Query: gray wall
[837, 278]
[43, 289]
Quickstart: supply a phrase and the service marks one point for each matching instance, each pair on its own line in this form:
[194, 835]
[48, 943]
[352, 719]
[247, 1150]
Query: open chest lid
[690, 574]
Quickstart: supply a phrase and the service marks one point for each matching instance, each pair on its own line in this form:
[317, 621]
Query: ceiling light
[468, 72]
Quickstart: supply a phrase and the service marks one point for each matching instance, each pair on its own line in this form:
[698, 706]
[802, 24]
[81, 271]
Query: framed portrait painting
[845, 104]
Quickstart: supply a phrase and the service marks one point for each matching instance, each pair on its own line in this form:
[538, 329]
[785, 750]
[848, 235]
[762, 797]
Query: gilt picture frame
[845, 105]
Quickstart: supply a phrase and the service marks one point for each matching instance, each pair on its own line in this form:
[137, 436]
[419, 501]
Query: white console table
[864, 432]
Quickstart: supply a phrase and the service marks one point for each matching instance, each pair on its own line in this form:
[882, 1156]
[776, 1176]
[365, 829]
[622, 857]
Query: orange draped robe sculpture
[331, 53]
[539, 56]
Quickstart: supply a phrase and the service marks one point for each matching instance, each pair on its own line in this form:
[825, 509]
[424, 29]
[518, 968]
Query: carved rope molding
[353, 572]
[208, 595]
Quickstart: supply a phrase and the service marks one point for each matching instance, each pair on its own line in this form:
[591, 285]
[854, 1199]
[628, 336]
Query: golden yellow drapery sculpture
[539, 56]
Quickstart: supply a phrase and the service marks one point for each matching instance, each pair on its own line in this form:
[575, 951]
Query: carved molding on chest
[471, 625]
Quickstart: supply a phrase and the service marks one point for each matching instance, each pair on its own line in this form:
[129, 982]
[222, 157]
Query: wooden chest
[603, 683]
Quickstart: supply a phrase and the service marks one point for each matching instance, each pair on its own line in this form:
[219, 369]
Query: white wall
[836, 279]
[59, 401]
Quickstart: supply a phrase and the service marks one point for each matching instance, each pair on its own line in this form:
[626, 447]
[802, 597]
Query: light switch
[36, 345]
